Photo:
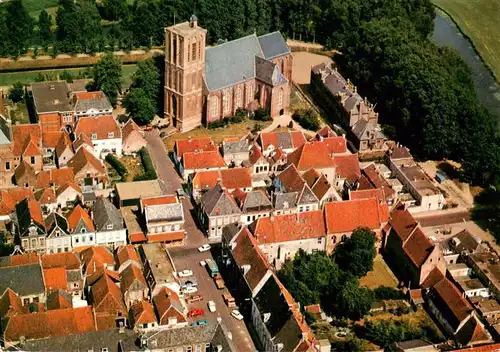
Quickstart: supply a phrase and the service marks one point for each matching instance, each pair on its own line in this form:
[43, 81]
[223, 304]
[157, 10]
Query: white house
[67, 194]
[104, 132]
[58, 239]
[108, 220]
[81, 228]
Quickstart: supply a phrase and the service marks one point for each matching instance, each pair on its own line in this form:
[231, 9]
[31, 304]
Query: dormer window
[111, 135]
[94, 136]
[109, 227]
[83, 231]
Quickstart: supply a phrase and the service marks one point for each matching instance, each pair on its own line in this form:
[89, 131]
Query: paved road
[188, 257]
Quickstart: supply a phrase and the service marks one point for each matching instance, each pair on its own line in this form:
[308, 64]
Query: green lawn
[480, 21]
[35, 6]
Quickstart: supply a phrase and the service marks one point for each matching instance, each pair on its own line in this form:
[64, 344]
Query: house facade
[110, 230]
[105, 133]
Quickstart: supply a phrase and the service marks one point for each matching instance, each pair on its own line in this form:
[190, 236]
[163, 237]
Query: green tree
[147, 77]
[20, 26]
[115, 9]
[16, 93]
[353, 301]
[140, 106]
[250, 16]
[355, 254]
[107, 77]
[486, 211]
[4, 34]
[44, 29]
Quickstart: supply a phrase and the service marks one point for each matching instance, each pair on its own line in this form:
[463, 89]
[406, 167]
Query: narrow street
[188, 257]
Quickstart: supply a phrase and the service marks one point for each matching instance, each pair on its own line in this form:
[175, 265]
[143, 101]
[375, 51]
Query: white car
[211, 306]
[189, 289]
[203, 263]
[185, 273]
[204, 248]
[237, 315]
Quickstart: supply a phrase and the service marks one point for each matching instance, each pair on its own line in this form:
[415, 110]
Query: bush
[217, 124]
[261, 114]
[383, 292]
[16, 93]
[147, 163]
[307, 118]
[257, 128]
[117, 165]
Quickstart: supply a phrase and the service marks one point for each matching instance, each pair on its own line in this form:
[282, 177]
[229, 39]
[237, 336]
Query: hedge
[307, 118]
[147, 163]
[117, 165]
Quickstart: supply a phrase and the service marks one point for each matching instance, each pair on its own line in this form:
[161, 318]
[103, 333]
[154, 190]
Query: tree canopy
[107, 77]
[355, 254]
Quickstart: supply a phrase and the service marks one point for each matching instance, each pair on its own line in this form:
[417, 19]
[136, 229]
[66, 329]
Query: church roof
[273, 45]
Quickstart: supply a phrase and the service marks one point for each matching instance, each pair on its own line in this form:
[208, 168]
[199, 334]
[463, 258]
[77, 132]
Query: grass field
[35, 6]
[379, 276]
[480, 21]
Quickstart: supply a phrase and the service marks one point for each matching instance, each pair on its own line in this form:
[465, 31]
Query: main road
[188, 257]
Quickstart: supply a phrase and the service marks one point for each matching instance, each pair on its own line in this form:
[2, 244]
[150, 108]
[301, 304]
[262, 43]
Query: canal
[487, 88]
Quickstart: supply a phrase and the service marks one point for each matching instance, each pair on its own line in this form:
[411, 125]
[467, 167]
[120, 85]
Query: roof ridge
[232, 41]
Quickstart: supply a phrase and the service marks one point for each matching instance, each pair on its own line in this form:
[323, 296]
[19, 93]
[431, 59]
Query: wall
[111, 238]
[277, 253]
[109, 144]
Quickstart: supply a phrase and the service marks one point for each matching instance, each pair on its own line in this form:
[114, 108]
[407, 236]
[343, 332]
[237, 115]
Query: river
[487, 88]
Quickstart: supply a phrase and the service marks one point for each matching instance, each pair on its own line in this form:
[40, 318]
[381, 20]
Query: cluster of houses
[96, 295]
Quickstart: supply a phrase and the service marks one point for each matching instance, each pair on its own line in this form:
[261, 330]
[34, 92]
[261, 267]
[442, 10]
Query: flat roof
[457, 266]
[138, 189]
[131, 220]
[159, 262]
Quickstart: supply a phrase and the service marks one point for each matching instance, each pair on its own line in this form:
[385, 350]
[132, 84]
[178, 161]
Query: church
[206, 84]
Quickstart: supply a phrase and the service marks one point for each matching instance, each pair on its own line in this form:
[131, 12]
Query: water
[487, 88]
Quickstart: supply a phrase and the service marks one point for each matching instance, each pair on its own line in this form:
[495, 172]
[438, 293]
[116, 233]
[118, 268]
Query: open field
[35, 6]
[479, 20]
[379, 276]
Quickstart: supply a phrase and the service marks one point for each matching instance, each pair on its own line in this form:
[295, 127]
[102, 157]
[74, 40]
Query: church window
[280, 98]
[226, 102]
[238, 97]
[193, 51]
[214, 106]
[249, 93]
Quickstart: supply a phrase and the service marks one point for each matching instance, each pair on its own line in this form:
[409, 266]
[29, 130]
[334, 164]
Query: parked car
[195, 298]
[203, 263]
[229, 300]
[196, 312]
[180, 193]
[185, 273]
[204, 248]
[189, 289]
[189, 283]
[211, 306]
[219, 282]
[237, 315]
[200, 322]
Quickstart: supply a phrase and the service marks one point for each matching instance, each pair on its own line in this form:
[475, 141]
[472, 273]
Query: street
[188, 257]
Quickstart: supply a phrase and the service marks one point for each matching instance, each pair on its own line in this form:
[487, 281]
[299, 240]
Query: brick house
[207, 84]
[290, 181]
[90, 173]
[132, 138]
[105, 133]
[30, 225]
[230, 179]
[133, 285]
[193, 162]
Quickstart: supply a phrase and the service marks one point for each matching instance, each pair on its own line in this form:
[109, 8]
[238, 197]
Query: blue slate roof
[273, 45]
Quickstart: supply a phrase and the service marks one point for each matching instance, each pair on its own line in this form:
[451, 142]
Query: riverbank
[478, 22]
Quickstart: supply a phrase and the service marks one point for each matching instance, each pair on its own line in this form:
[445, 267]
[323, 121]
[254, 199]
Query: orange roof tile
[378, 181]
[137, 237]
[168, 305]
[62, 144]
[325, 132]
[311, 155]
[100, 126]
[190, 145]
[21, 259]
[296, 138]
[66, 186]
[402, 222]
[55, 279]
[45, 196]
[35, 211]
[159, 200]
[10, 304]
[239, 196]
[378, 194]
[89, 95]
[335, 145]
[10, 197]
[58, 322]
[129, 276]
[289, 227]
[142, 313]
[202, 160]
[50, 139]
[233, 178]
[166, 237]
[255, 154]
[291, 179]
[99, 255]
[70, 261]
[311, 176]
[106, 296]
[348, 215]
[27, 136]
[348, 167]
[56, 177]
[84, 158]
[457, 306]
[126, 253]
[79, 214]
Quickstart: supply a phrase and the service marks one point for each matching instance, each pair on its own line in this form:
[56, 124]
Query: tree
[44, 28]
[353, 301]
[140, 106]
[147, 77]
[356, 253]
[107, 77]
[486, 211]
[115, 10]
[250, 16]
[20, 26]
[4, 34]
[16, 93]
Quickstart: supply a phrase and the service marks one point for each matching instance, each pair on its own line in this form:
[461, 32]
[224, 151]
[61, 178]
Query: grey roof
[89, 197]
[217, 201]
[362, 129]
[352, 101]
[101, 103]
[256, 201]
[231, 62]
[235, 147]
[284, 140]
[290, 335]
[229, 231]
[106, 214]
[273, 45]
[54, 220]
[165, 212]
[79, 85]
[285, 200]
[5, 132]
[51, 96]
[268, 72]
[24, 280]
[73, 275]
[307, 196]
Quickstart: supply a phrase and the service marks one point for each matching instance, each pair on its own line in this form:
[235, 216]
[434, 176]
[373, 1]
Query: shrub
[261, 114]
[307, 118]
[257, 128]
[217, 124]
[383, 292]
[117, 165]
[16, 93]
[149, 170]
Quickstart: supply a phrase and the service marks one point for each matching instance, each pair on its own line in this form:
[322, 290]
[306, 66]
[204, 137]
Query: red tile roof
[402, 222]
[130, 127]
[378, 181]
[45, 196]
[378, 194]
[191, 145]
[166, 237]
[129, 276]
[84, 158]
[66, 186]
[255, 154]
[159, 200]
[289, 227]
[271, 138]
[63, 143]
[10, 304]
[90, 95]
[291, 179]
[27, 139]
[325, 132]
[55, 279]
[101, 126]
[56, 177]
[21, 259]
[335, 145]
[58, 322]
[50, 139]
[239, 196]
[126, 253]
[107, 297]
[432, 279]
[348, 167]
[456, 307]
[202, 160]
[79, 214]
[35, 211]
[168, 305]
[137, 237]
[348, 215]
[70, 261]
[311, 155]
[238, 177]
[142, 313]
[487, 348]
[10, 197]
[99, 255]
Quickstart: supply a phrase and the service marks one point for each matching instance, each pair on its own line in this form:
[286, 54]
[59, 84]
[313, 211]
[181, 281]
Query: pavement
[283, 121]
[188, 257]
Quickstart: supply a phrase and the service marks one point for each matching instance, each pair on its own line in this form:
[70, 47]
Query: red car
[195, 312]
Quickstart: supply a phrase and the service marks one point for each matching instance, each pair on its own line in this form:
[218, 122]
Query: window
[32, 160]
[193, 51]
[249, 93]
[104, 349]
[83, 230]
[189, 348]
[214, 106]
[280, 98]
[91, 238]
[320, 240]
[198, 348]
[111, 135]
[77, 240]
[225, 102]
[42, 242]
[238, 98]
[109, 227]
[75, 285]
[36, 300]
[67, 118]
[94, 136]
[26, 301]
[7, 165]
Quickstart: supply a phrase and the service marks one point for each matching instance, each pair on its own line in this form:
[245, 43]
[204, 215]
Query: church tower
[184, 69]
